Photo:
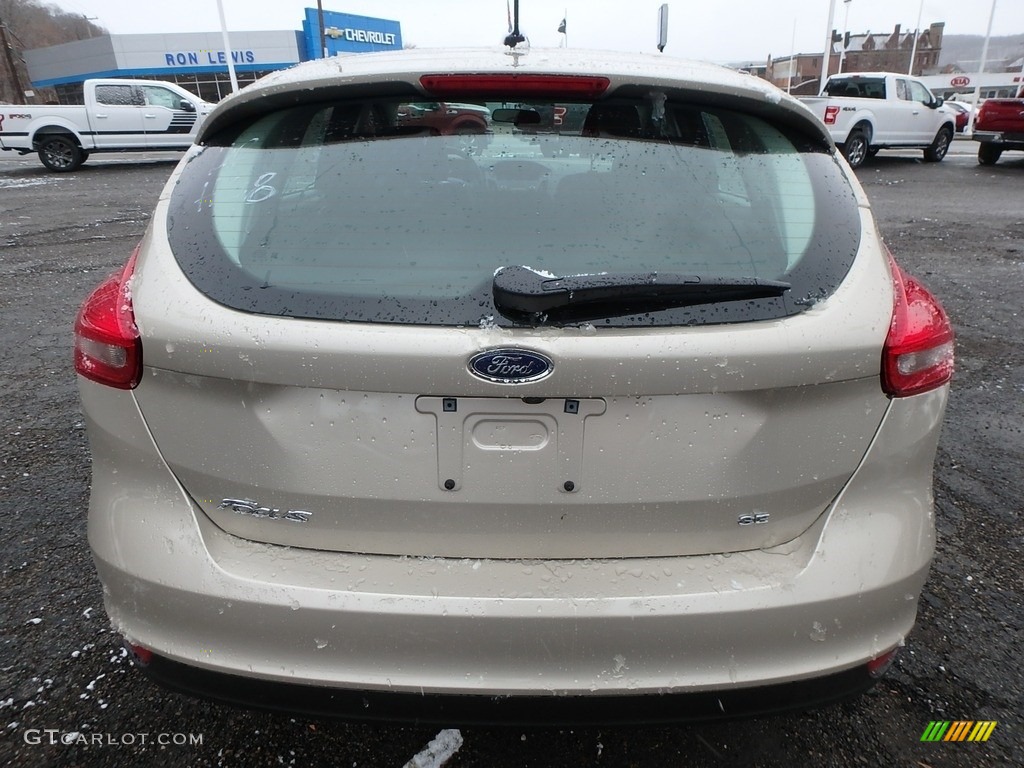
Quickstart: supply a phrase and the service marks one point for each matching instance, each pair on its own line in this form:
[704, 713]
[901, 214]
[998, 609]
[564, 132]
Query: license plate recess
[493, 446]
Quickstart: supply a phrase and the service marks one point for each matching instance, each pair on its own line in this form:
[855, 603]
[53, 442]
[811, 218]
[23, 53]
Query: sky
[722, 31]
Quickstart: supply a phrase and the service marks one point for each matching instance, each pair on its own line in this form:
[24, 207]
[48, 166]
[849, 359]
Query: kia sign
[960, 82]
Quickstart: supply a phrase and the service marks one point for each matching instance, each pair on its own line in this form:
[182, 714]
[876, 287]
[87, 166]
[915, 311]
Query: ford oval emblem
[510, 366]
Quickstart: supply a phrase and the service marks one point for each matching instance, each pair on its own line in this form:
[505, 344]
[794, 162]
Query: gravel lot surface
[956, 225]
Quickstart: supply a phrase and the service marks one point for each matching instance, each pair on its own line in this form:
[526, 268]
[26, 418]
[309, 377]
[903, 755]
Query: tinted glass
[400, 212]
[856, 87]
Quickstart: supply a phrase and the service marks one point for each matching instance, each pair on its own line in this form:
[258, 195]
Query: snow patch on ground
[23, 183]
[439, 751]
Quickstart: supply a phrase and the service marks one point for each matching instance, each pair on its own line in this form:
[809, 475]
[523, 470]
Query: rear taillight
[918, 352]
[519, 85]
[140, 655]
[879, 665]
[107, 345]
[831, 113]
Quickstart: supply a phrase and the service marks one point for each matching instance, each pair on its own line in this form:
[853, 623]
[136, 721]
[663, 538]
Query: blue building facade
[348, 33]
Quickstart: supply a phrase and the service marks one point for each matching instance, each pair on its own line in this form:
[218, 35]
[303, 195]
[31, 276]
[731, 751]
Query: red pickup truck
[999, 126]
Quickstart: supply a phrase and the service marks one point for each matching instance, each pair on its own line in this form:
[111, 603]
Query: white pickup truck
[117, 116]
[869, 111]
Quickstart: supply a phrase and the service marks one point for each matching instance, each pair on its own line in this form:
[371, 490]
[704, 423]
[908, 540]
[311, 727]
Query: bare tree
[27, 24]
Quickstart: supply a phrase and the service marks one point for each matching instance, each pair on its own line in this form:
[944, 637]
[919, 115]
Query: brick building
[868, 52]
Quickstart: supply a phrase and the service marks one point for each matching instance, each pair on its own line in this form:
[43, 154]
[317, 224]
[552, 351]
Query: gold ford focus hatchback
[612, 405]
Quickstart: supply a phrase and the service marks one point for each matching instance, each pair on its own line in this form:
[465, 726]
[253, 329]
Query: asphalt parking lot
[69, 696]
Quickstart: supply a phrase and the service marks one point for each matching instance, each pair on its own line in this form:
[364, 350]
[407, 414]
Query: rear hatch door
[326, 366]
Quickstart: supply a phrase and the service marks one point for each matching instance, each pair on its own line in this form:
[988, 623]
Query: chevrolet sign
[360, 35]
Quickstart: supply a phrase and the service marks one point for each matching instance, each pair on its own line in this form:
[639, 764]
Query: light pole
[792, 59]
[827, 55]
[320, 17]
[846, 28]
[917, 35]
[227, 48]
[984, 56]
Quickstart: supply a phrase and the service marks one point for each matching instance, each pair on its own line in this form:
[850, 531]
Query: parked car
[963, 114]
[637, 424]
[999, 127]
[115, 116]
[869, 111]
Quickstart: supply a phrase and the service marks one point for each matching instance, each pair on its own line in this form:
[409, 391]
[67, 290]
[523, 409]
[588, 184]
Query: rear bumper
[1006, 140]
[548, 711]
[842, 593]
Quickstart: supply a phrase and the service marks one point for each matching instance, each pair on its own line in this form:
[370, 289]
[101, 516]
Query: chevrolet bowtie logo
[334, 32]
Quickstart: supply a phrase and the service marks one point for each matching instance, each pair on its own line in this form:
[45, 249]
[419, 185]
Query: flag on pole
[561, 27]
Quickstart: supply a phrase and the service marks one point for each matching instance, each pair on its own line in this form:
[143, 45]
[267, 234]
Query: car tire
[988, 154]
[856, 148]
[940, 146]
[60, 153]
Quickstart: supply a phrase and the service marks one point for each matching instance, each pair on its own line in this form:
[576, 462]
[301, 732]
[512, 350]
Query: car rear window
[401, 211]
[859, 87]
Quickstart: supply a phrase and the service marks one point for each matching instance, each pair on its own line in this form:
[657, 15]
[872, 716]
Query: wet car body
[641, 412]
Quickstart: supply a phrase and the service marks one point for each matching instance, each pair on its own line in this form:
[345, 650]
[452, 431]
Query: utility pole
[19, 90]
[323, 37]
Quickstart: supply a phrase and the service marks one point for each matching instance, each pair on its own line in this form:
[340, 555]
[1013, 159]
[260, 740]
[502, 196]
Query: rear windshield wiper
[522, 293]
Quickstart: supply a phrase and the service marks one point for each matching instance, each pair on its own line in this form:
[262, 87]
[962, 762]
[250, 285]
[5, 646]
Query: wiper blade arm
[523, 292]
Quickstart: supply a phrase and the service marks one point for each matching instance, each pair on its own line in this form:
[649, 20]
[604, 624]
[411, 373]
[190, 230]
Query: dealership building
[198, 61]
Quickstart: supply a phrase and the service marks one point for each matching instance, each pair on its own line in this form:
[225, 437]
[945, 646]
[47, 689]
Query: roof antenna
[662, 27]
[514, 36]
